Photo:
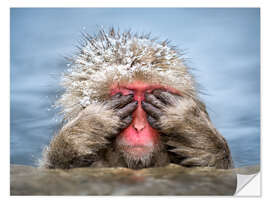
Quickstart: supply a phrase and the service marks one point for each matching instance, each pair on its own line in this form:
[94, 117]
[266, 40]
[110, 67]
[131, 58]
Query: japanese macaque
[130, 101]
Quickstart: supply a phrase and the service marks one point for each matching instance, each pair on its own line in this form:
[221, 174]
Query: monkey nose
[138, 126]
[139, 121]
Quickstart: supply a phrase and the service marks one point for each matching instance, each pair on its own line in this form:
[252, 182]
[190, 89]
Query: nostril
[135, 128]
[138, 127]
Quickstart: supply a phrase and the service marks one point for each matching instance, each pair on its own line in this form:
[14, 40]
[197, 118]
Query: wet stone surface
[169, 180]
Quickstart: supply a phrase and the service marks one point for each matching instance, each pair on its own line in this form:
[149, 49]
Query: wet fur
[88, 137]
[80, 140]
[190, 133]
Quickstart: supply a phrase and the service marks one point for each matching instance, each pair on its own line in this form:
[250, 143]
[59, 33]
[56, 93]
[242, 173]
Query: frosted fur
[115, 57]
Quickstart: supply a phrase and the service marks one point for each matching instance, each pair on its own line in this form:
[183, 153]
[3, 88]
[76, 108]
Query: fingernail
[117, 94]
[134, 102]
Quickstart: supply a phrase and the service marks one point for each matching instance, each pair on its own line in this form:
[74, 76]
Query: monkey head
[114, 58]
[112, 67]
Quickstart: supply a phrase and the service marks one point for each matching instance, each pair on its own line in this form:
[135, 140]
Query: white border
[136, 3]
[5, 98]
[5, 84]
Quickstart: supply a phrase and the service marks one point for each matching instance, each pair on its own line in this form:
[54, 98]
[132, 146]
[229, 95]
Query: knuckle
[129, 96]
[126, 98]
[156, 103]
[157, 91]
[149, 96]
[131, 106]
[165, 95]
[153, 99]
[119, 113]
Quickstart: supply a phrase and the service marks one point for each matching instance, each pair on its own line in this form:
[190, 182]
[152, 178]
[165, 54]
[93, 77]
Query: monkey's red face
[139, 140]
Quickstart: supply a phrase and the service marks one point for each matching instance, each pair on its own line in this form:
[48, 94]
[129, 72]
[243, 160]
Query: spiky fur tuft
[115, 57]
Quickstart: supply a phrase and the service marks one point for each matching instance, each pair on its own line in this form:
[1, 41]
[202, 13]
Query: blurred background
[222, 47]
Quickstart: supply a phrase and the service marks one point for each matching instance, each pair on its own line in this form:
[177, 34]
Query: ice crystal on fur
[115, 57]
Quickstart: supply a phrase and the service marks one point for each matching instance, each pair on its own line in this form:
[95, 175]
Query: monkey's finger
[153, 122]
[128, 109]
[121, 101]
[125, 122]
[157, 93]
[116, 96]
[165, 97]
[151, 110]
[150, 98]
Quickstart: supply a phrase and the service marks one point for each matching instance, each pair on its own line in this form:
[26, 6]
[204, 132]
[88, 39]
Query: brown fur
[78, 142]
[197, 137]
[88, 138]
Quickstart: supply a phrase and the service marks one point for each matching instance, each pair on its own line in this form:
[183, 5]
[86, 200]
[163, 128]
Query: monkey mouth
[137, 152]
[137, 156]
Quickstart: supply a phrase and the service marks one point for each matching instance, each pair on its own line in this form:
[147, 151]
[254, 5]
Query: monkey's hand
[79, 142]
[155, 106]
[187, 130]
[123, 106]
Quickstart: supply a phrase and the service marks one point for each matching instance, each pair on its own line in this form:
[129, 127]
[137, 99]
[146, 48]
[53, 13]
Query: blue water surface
[223, 47]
